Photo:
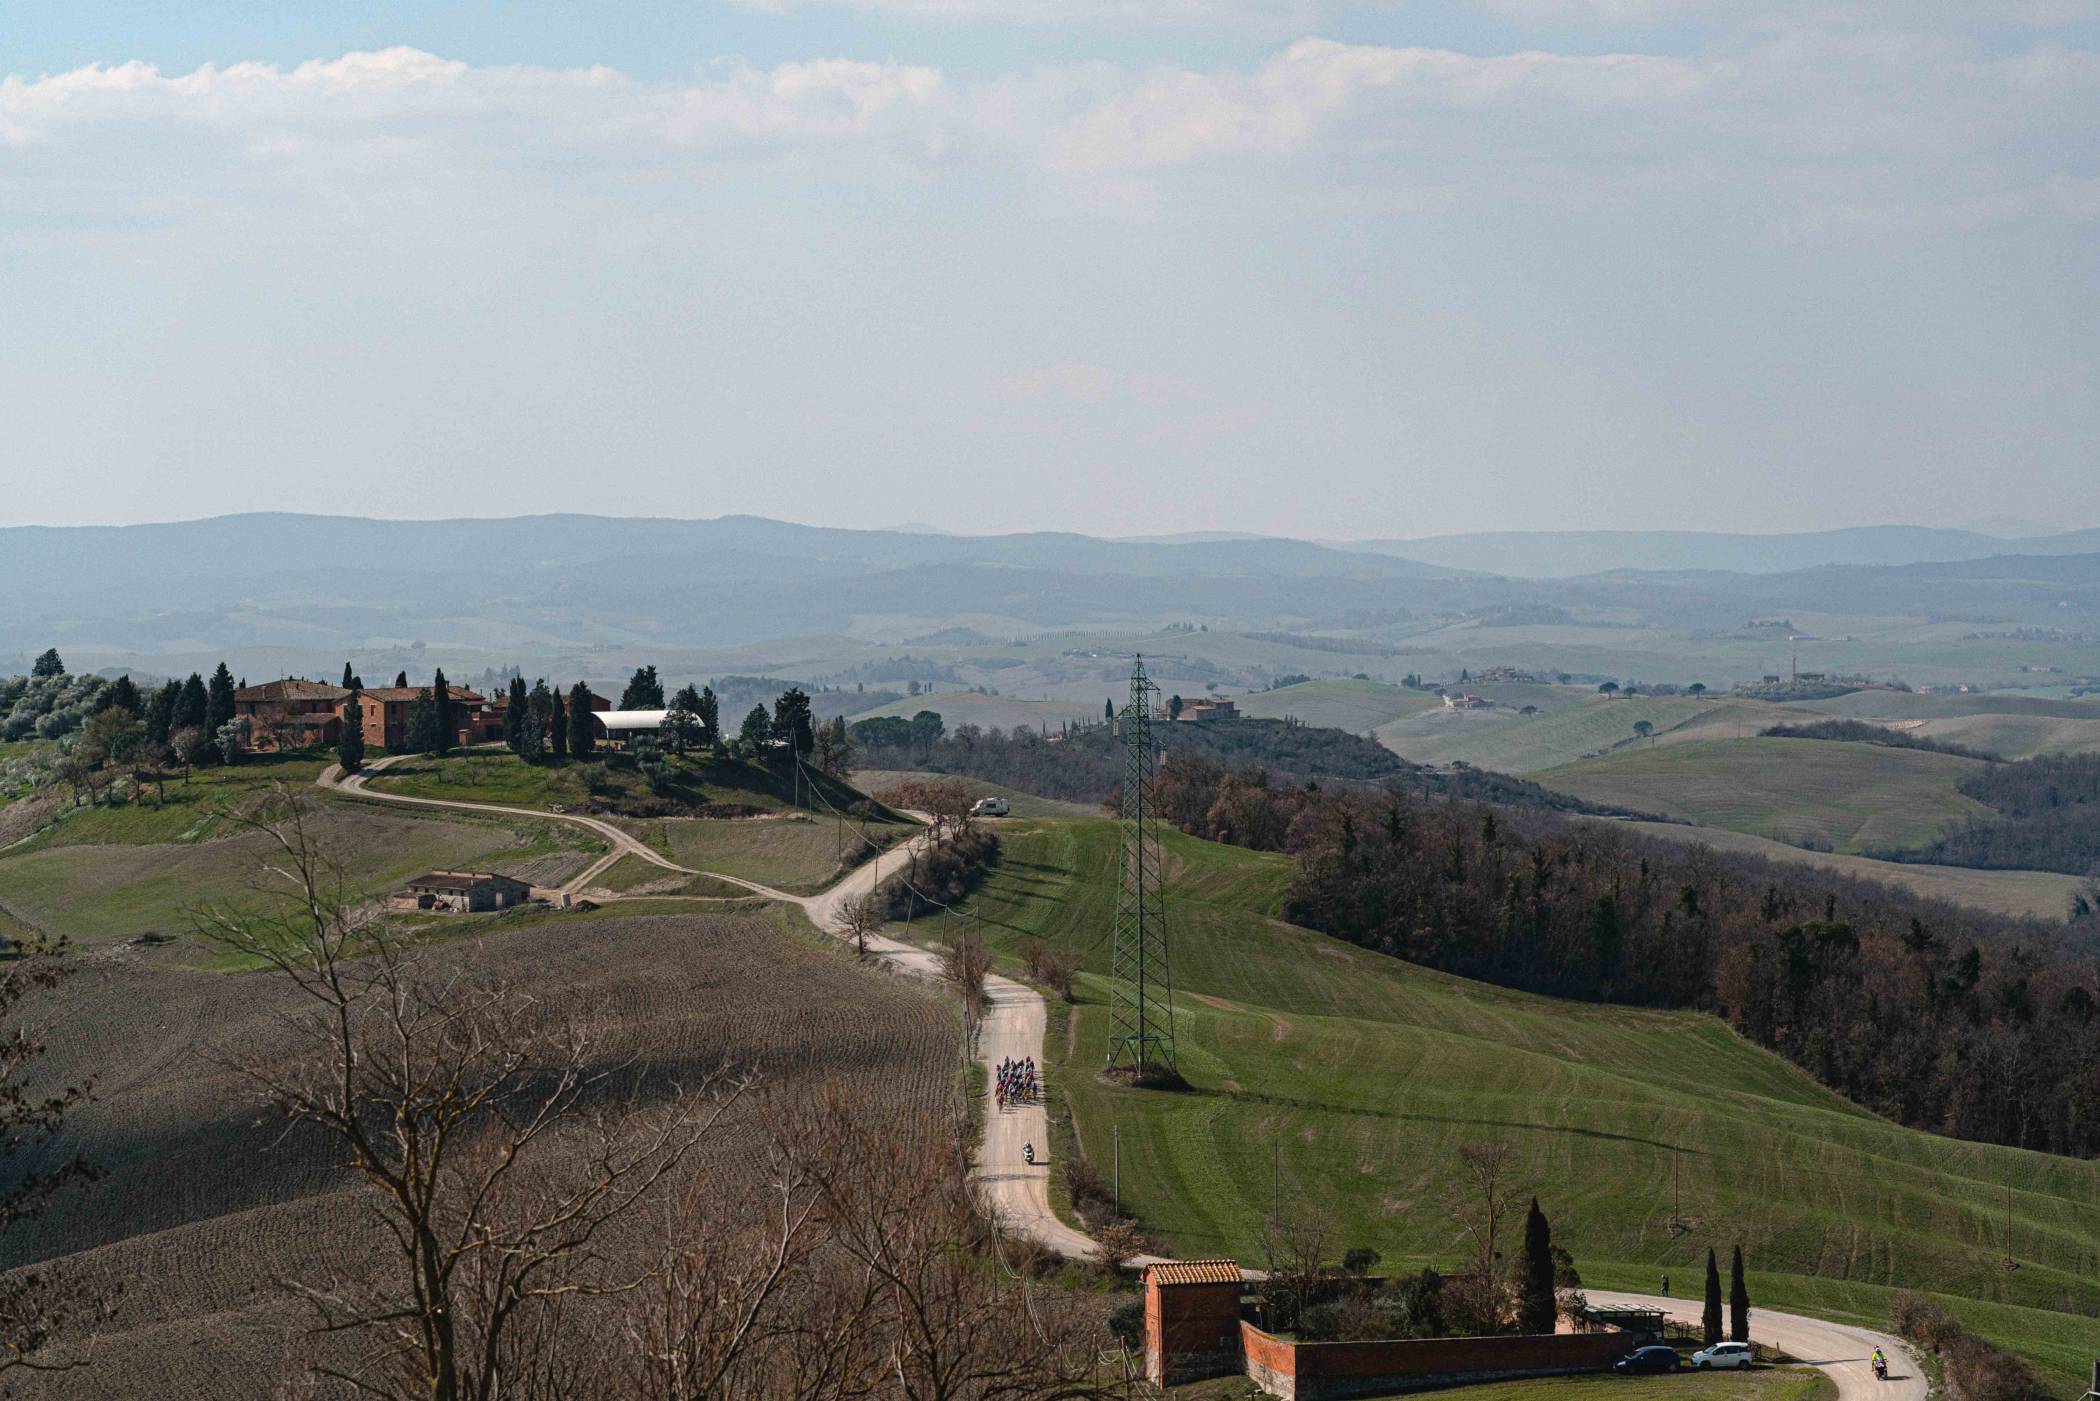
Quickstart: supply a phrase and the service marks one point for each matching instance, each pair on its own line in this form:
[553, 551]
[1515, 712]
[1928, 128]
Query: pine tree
[791, 721]
[48, 664]
[710, 713]
[219, 711]
[1738, 1301]
[1711, 1321]
[681, 728]
[557, 728]
[350, 744]
[644, 691]
[349, 678]
[192, 707]
[124, 695]
[583, 731]
[758, 728]
[517, 714]
[443, 728]
[1535, 1306]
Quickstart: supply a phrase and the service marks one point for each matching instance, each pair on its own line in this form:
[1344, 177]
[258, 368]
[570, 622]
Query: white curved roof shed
[624, 722]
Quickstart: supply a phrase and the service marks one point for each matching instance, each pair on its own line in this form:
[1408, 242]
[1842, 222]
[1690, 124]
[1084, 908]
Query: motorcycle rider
[1028, 1153]
[1881, 1365]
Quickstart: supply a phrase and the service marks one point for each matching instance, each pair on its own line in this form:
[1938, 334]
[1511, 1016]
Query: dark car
[1648, 1359]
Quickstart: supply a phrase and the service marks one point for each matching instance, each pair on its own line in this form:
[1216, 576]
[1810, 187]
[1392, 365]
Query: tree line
[1940, 1018]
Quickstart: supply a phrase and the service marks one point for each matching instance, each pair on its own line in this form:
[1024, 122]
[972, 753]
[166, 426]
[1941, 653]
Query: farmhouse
[1208, 709]
[386, 714]
[462, 892]
[291, 713]
[1465, 700]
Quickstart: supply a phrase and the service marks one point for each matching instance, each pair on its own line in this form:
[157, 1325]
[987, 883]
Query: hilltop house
[1465, 700]
[1208, 708]
[291, 714]
[386, 711]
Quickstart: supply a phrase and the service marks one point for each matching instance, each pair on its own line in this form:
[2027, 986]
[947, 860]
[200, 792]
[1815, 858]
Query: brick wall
[1325, 1371]
[1192, 1331]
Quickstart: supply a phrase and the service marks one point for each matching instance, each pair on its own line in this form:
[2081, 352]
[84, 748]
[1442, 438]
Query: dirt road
[1837, 1349]
[1017, 1192]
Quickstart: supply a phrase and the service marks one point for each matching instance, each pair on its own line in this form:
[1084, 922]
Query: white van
[990, 807]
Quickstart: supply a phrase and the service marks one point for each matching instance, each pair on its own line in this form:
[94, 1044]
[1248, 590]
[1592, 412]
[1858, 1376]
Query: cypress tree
[422, 724]
[557, 728]
[219, 710]
[160, 712]
[1108, 710]
[517, 714]
[349, 678]
[400, 680]
[532, 736]
[710, 712]
[350, 744]
[1711, 1321]
[583, 734]
[444, 731]
[1535, 1306]
[124, 695]
[192, 707]
[1738, 1301]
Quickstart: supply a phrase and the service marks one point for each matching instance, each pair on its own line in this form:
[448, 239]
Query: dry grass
[206, 1205]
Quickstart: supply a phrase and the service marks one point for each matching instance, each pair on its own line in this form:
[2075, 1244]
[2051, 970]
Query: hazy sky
[1382, 268]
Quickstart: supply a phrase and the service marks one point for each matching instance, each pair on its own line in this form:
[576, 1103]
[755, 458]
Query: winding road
[1018, 1192]
[1014, 1190]
[1839, 1350]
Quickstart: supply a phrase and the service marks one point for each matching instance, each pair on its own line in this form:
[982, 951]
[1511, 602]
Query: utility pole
[1116, 1171]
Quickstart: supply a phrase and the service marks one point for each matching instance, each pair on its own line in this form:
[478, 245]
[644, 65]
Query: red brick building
[291, 714]
[387, 708]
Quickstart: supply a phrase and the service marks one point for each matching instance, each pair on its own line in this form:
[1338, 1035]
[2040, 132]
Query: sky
[1328, 268]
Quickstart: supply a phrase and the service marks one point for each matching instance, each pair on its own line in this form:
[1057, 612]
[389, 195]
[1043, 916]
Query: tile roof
[290, 688]
[1194, 1272]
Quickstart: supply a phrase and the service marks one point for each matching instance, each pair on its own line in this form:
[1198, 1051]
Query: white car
[1725, 1355]
[990, 807]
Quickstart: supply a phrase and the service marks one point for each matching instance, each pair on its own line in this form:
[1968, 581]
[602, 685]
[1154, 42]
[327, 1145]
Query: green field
[1359, 707]
[2021, 894]
[796, 853]
[96, 892]
[491, 775]
[1508, 742]
[190, 811]
[990, 712]
[1845, 797]
[1355, 1078]
[632, 876]
[876, 781]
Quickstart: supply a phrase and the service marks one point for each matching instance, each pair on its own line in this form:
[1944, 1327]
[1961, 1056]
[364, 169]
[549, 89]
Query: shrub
[1127, 1322]
[1975, 1370]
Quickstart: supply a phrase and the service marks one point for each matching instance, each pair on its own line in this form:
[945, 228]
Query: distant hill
[1562, 554]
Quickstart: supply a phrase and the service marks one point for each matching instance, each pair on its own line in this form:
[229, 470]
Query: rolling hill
[1332, 1081]
[1509, 742]
[1360, 707]
[1836, 796]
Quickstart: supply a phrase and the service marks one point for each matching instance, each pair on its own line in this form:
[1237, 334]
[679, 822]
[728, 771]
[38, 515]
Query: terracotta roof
[459, 880]
[291, 688]
[459, 695]
[1194, 1272]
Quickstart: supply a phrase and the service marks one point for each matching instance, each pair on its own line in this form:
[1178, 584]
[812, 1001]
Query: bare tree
[35, 1306]
[861, 917]
[964, 966]
[498, 1146]
[1487, 1197]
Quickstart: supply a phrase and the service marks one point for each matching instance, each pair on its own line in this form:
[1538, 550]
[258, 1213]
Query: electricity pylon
[1141, 993]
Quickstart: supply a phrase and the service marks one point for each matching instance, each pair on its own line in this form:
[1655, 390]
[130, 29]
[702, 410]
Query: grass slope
[1354, 1078]
[119, 871]
[1530, 744]
[495, 775]
[1003, 712]
[795, 853]
[2029, 894]
[1845, 797]
[1340, 703]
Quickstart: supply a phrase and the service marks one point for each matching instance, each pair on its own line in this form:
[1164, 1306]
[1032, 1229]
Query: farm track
[1014, 1190]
